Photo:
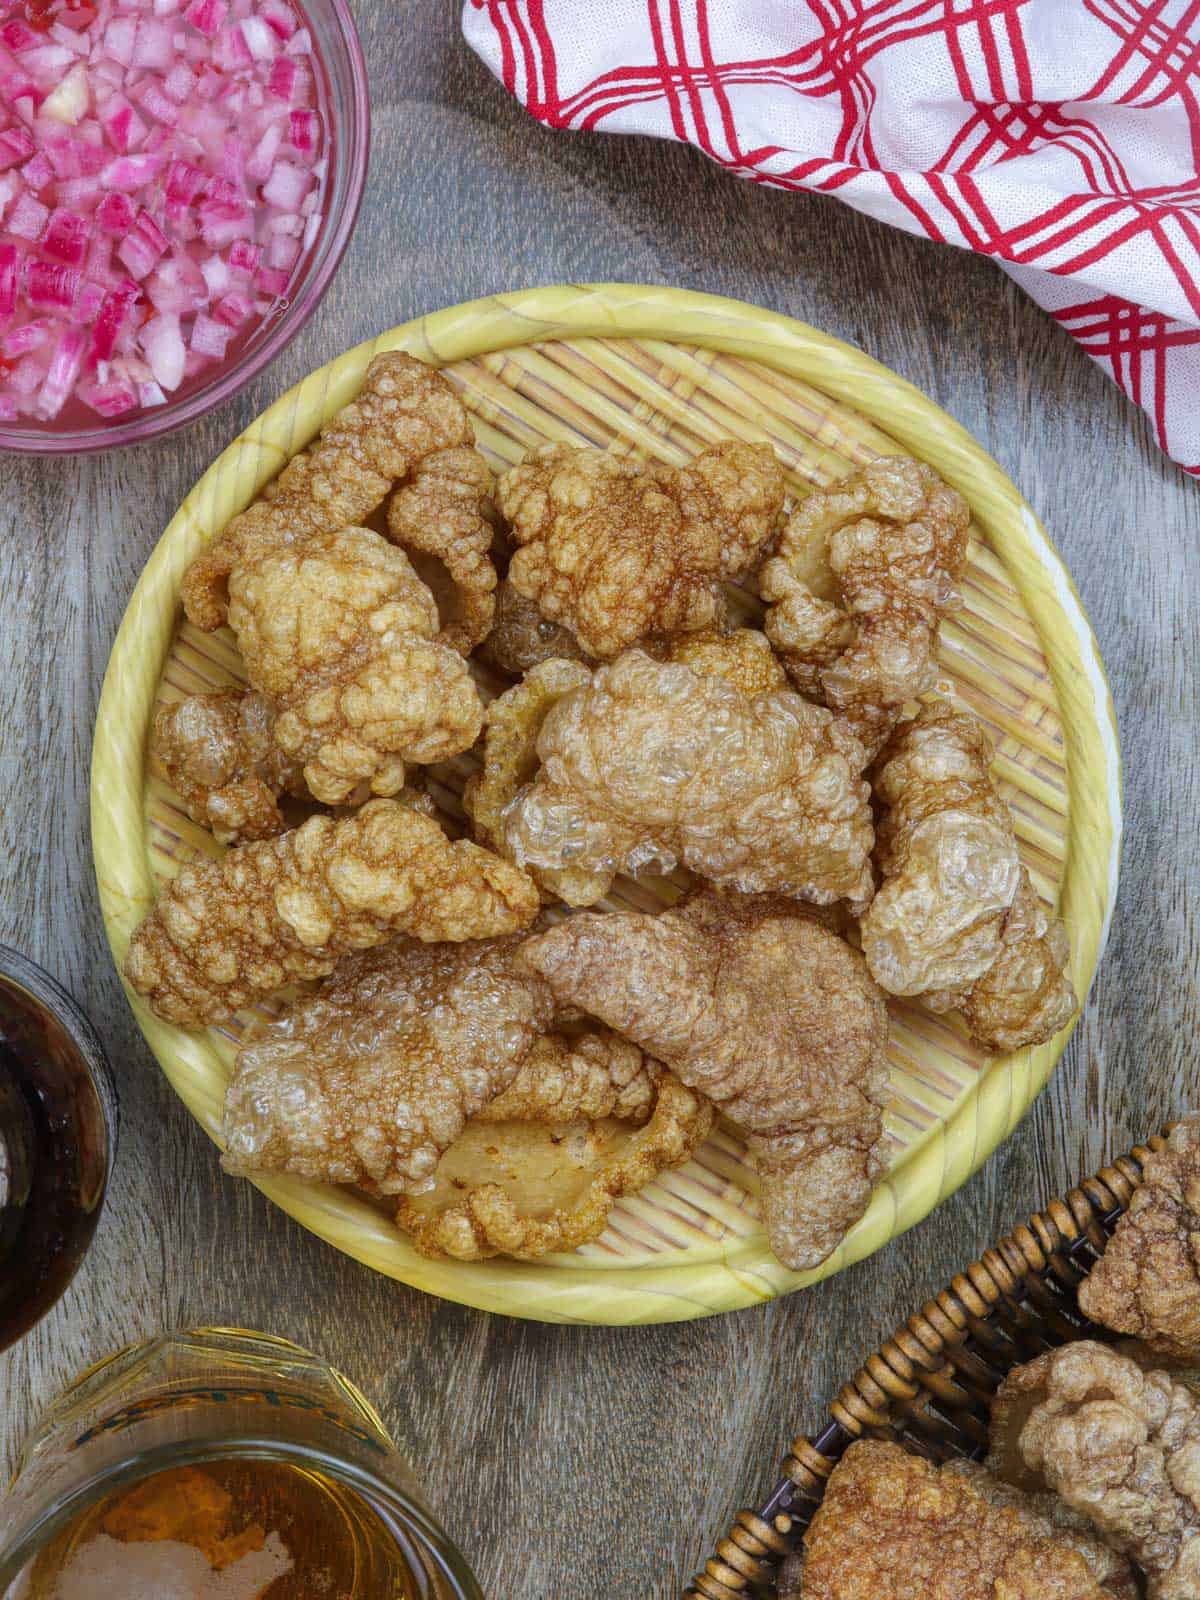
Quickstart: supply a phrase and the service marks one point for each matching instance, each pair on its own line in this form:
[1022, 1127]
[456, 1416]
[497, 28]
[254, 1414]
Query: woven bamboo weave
[658, 374]
[930, 1387]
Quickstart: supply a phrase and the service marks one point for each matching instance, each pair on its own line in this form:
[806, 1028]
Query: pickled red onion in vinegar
[163, 178]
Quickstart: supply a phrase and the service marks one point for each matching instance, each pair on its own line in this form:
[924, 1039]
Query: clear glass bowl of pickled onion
[178, 182]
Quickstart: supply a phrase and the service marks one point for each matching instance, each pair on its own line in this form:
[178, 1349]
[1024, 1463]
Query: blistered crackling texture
[368, 1080]
[1122, 1446]
[769, 1015]
[227, 932]
[510, 760]
[956, 920]
[221, 758]
[524, 1188]
[340, 632]
[652, 765]
[589, 1073]
[615, 549]
[1147, 1283]
[522, 637]
[403, 412]
[742, 657]
[440, 512]
[892, 1526]
[864, 572]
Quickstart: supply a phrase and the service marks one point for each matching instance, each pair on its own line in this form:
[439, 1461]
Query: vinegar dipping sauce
[163, 168]
[57, 1126]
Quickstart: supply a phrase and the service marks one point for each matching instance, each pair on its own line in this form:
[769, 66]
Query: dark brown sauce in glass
[57, 1132]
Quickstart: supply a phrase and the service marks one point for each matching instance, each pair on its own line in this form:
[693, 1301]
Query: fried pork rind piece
[227, 932]
[372, 1077]
[339, 632]
[652, 765]
[524, 1188]
[221, 759]
[743, 658]
[521, 637]
[1113, 1571]
[766, 1013]
[956, 920]
[1122, 1447]
[615, 549]
[590, 1074]
[863, 574]
[510, 760]
[893, 1527]
[439, 512]
[403, 412]
[1147, 1283]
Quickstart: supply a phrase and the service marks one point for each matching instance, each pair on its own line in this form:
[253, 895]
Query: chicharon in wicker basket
[930, 1387]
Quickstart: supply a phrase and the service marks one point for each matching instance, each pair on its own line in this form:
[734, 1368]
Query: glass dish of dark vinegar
[58, 1124]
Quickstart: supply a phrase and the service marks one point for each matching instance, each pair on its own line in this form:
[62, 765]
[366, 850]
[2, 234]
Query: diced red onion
[51, 287]
[109, 399]
[110, 319]
[206, 16]
[153, 45]
[27, 218]
[66, 238]
[165, 351]
[15, 145]
[170, 177]
[10, 263]
[115, 214]
[37, 173]
[244, 256]
[142, 246]
[29, 336]
[287, 186]
[233, 309]
[63, 372]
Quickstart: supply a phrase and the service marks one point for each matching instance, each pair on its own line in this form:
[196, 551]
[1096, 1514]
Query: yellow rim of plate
[722, 1276]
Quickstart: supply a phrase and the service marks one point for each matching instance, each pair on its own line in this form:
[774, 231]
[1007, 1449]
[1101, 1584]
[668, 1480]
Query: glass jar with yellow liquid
[219, 1465]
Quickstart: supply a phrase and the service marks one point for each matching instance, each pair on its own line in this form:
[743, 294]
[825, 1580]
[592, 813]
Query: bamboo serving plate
[661, 373]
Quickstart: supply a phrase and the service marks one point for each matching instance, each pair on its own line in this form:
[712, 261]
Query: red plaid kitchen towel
[1060, 136]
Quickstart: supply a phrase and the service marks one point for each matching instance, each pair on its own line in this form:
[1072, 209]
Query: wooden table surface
[575, 1464]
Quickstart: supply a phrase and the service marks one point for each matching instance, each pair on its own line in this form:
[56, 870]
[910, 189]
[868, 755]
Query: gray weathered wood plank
[587, 1463]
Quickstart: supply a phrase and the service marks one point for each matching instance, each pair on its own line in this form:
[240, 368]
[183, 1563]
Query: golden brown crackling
[1121, 1446]
[892, 1526]
[227, 932]
[652, 765]
[956, 921]
[510, 761]
[742, 657]
[864, 572]
[615, 549]
[1147, 1283]
[766, 1013]
[521, 637]
[340, 632]
[403, 412]
[221, 759]
[524, 1189]
[589, 1073]
[439, 512]
[370, 1078]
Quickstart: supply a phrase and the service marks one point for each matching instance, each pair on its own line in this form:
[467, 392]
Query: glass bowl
[336, 43]
[58, 1135]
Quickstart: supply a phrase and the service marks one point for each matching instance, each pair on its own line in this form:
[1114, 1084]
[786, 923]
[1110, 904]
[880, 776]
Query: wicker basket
[931, 1385]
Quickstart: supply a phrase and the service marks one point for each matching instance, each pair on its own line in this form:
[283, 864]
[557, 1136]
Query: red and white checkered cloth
[1061, 137]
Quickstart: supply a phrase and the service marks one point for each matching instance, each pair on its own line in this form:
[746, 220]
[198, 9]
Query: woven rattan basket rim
[711, 1277]
[747, 1558]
